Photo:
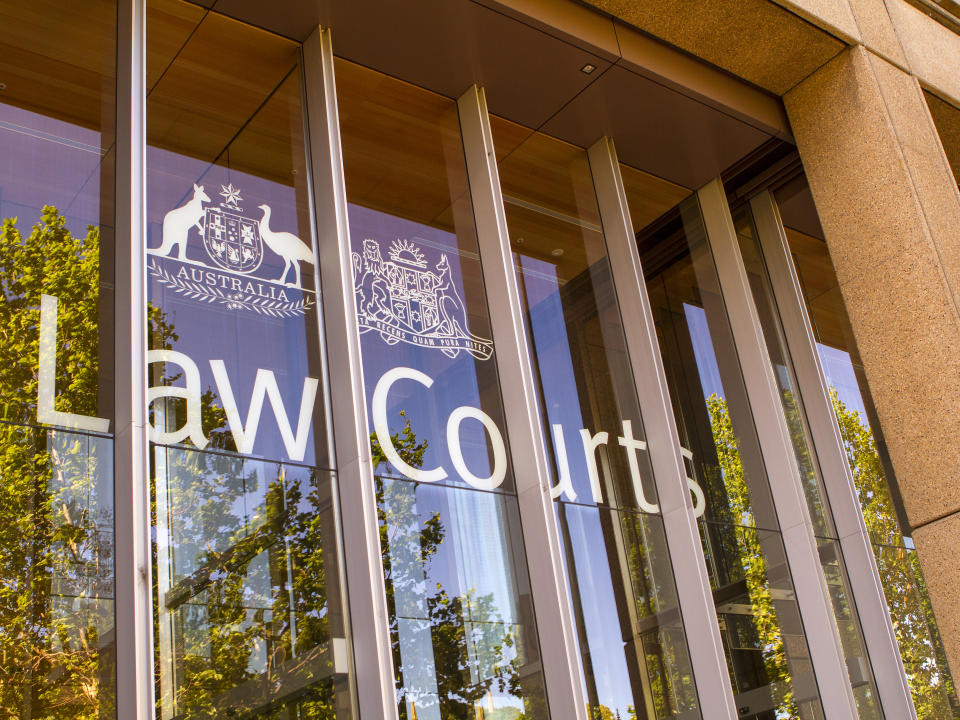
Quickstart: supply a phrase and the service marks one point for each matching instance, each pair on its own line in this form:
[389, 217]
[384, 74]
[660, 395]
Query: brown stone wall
[890, 211]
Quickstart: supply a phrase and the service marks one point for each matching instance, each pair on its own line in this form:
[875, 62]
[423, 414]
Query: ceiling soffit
[533, 77]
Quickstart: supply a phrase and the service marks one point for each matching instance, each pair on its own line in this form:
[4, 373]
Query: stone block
[754, 39]
[857, 172]
[937, 549]
[908, 335]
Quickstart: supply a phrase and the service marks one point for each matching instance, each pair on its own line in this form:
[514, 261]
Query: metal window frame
[559, 652]
[857, 548]
[372, 676]
[697, 608]
[796, 526]
[133, 626]
[370, 653]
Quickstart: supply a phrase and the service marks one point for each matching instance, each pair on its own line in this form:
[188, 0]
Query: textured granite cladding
[754, 39]
[890, 210]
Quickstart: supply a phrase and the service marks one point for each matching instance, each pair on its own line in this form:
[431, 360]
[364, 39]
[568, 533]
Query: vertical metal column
[841, 491]
[134, 629]
[558, 645]
[371, 657]
[796, 527]
[676, 506]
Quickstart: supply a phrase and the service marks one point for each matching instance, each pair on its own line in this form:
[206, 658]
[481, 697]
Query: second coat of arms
[404, 300]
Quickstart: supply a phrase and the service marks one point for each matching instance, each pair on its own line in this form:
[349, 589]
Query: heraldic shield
[404, 301]
[232, 241]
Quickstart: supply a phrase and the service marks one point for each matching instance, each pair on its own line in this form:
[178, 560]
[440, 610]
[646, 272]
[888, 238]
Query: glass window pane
[461, 616]
[759, 619]
[933, 689]
[57, 124]
[633, 647]
[248, 606]
[831, 558]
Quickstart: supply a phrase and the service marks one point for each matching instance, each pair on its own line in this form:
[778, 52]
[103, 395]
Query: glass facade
[355, 510]
[828, 541]
[633, 648]
[462, 628]
[248, 602]
[57, 125]
[932, 686]
[760, 621]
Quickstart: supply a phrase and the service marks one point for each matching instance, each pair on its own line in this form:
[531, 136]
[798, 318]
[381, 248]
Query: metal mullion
[855, 542]
[371, 660]
[133, 619]
[796, 526]
[556, 630]
[676, 506]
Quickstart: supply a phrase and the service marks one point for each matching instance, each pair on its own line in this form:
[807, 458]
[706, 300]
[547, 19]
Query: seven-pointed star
[231, 194]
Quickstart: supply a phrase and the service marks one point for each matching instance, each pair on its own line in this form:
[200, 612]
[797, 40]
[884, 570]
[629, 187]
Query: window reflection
[461, 617]
[248, 586]
[633, 647]
[759, 619]
[932, 687]
[831, 558]
[248, 604]
[57, 117]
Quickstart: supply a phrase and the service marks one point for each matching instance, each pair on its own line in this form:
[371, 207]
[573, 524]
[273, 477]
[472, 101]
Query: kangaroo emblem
[452, 310]
[177, 223]
[287, 245]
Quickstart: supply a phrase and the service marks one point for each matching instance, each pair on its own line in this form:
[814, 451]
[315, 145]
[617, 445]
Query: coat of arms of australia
[234, 244]
[403, 300]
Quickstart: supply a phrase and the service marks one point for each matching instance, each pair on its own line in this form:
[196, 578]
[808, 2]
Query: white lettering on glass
[565, 485]
[456, 453]
[382, 428]
[265, 384]
[590, 444]
[47, 376]
[700, 504]
[192, 428]
[632, 445]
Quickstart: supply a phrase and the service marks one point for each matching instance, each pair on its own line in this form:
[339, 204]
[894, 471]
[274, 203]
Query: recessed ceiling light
[588, 68]
[557, 252]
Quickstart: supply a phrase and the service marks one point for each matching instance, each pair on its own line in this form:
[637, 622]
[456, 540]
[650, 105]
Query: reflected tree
[473, 649]
[932, 687]
[56, 520]
[763, 631]
[243, 624]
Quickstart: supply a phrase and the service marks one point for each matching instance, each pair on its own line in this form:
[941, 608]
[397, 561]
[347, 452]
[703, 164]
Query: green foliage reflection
[467, 651]
[741, 542]
[932, 687]
[242, 626]
[56, 517]
[247, 630]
